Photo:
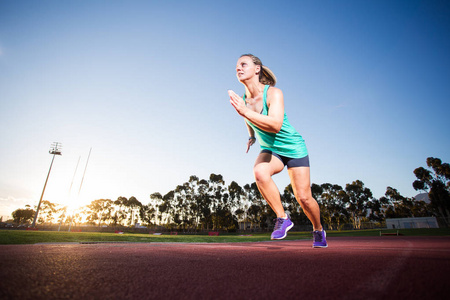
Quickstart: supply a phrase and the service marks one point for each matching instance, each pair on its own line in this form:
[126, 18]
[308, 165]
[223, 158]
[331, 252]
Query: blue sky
[144, 83]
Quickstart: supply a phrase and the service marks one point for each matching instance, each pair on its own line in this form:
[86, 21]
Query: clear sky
[144, 83]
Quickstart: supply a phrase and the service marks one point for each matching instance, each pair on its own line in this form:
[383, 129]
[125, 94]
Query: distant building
[407, 223]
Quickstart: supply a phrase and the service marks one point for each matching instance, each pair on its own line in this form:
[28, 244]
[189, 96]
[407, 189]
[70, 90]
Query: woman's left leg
[301, 185]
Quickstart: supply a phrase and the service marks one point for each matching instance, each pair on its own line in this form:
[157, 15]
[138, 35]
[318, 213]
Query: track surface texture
[350, 268]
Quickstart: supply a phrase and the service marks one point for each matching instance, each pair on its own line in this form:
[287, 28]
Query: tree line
[210, 204]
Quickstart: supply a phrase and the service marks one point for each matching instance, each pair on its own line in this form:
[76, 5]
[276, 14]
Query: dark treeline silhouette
[211, 204]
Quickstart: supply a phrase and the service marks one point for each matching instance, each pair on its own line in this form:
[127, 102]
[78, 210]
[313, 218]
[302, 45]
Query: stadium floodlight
[55, 150]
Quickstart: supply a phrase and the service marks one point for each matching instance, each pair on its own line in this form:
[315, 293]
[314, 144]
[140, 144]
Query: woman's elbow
[277, 127]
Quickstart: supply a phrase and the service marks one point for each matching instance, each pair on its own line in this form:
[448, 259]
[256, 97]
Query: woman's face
[246, 68]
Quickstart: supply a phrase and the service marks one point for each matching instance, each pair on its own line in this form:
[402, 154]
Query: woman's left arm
[270, 123]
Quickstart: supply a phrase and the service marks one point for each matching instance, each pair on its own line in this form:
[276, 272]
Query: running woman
[262, 107]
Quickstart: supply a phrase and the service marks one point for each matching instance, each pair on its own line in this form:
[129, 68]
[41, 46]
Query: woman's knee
[262, 174]
[305, 199]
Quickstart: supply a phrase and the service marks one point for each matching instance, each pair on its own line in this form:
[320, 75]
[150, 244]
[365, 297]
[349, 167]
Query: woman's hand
[250, 142]
[238, 103]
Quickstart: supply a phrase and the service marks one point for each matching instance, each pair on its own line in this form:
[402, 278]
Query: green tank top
[287, 142]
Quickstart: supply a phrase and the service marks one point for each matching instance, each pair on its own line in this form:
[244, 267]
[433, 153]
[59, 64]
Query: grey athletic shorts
[290, 162]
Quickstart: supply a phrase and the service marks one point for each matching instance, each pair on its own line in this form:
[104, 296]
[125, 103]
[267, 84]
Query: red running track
[350, 268]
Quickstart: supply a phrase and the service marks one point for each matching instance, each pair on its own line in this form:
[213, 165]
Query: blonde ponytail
[267, 76]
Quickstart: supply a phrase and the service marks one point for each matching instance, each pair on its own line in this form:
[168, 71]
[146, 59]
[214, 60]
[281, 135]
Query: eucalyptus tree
[189, 202]
[23, 215]
[316, 191]
[167, 208]
[244, 205]
[224, 215]
[254, 215]
[237, 200]
[252, 210]
[216, 190]
[183, 198]
[422, 209]
[259, 211]
[177, 205]
[204, 203]
[147, 214]
[436, 181]
[134, 206]
[332, 205]
[62, 216]
[99, 210]
[344, 215]
[47, 211]
[225, 219]
[155, 202]
[92, 210]
[77, 216]
[393, 205]
[120, 210]
[398, 206]
[193, 199]
[357, 200]
[376, 211]
[197, 201]
[235, 192]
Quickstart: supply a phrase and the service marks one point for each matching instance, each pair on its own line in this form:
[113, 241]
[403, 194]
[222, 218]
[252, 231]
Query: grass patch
[16, 237]
[10, 237]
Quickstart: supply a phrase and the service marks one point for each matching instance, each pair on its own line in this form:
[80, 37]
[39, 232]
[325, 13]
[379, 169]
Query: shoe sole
[285, 233]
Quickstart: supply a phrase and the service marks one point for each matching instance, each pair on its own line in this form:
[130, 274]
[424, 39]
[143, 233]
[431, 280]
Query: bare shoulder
[274, 94]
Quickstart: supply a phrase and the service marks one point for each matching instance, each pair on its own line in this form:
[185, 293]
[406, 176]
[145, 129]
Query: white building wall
[407, 223]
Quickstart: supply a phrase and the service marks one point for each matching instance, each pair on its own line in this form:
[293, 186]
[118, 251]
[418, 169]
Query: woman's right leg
[266, 166]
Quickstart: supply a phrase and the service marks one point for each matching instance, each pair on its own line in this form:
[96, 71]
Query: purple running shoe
[281, 228]
[320, 239]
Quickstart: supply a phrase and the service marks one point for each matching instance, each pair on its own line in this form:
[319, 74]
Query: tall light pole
[55, 150]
